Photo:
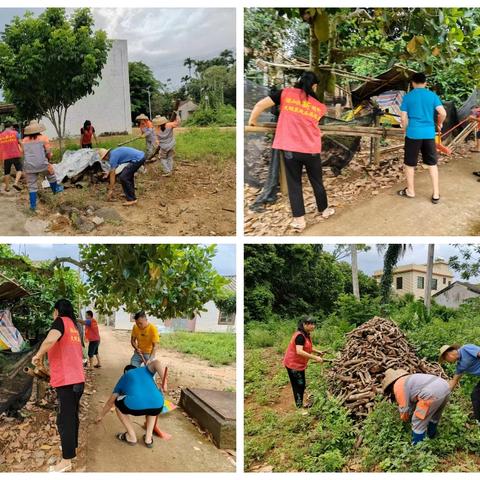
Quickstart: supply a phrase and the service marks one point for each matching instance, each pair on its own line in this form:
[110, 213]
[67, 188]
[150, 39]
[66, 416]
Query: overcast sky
[161, 37]
[224, 261]
[371, 261]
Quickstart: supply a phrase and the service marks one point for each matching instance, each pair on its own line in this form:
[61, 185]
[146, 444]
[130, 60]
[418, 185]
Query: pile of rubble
[371, 349]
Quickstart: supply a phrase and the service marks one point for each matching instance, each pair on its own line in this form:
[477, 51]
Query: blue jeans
[137, 360]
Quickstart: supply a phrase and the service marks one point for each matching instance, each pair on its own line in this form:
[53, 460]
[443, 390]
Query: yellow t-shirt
[146, 337]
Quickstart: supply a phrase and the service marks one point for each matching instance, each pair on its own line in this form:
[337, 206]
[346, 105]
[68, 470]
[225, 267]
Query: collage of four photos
[239, 240]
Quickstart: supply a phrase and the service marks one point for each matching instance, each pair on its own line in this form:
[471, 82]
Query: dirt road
[187, 451]
[388, 214]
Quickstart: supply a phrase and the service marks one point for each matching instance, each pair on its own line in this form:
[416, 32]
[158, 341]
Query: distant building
[211, 320]
[456, 294]
[108, 108]
[411, 278]
[186, 108]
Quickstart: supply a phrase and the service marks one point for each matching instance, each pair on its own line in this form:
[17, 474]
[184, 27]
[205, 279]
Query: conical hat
[102, 152]
[34, 127]
[142, 116]
[445, 349]
[158, 121]
[391, 375]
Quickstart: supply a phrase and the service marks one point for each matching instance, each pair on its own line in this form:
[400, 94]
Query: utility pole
[355, 286]
[428, 281]
[149, 104]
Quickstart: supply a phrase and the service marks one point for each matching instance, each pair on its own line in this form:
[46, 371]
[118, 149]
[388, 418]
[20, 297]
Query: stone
[97, 220]
[83, 224]
[109, 214]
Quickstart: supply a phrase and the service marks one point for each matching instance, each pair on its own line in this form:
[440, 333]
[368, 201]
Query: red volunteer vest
[297, 127]
[91, 332]
[292, 359]
[87, 135]
[66, 358]
[9, 145]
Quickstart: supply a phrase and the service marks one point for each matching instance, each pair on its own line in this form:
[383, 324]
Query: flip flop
[97, 366]
[148, 445]
[328, 212]
[123, 438]
[403, 193]
[17, 187]
[68, 468]
[297, 226]
[435, 200]
[477, 174]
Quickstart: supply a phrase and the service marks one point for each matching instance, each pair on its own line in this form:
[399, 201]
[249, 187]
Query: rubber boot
[432, 430]
[417, 437]
[33, 201]
[56, 188]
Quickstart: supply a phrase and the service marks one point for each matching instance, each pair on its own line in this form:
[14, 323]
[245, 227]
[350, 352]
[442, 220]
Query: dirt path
[387, 214]
[187, 451]
[14, 219]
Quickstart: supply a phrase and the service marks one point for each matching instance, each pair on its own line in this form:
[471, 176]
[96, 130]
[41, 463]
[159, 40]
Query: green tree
[166, 281]
[467, 261]
[49, 62]
[142, 80]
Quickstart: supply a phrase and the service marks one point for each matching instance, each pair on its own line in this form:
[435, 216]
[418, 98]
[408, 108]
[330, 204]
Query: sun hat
[34, 127]
[158, 121]
[102, 152]
[142, 116]
[391, 375]
[444, 349]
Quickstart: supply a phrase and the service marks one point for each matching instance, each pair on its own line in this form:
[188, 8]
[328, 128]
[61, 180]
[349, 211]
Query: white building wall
[455, 296]
[108, 108]
[208, 321]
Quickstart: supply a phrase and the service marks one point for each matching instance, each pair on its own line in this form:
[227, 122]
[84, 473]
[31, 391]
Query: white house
[108, 108]
[456, 294]
[211, 320]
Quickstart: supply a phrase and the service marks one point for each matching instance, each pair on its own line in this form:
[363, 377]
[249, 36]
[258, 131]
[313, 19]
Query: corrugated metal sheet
[397, 78]
[9, 290]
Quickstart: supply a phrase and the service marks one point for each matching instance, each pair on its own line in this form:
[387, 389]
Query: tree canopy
[443, 42]
[49, 62]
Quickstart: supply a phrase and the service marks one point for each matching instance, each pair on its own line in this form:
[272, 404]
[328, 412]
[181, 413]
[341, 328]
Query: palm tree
[188, 62]
[392, 253]
[353, 257]
[427, 298]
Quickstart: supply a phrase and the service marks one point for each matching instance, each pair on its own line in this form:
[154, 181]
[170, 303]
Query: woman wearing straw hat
[146, 127]
[420, 396]
[299, 137]
[124, 162]
[467, 359]
[166, 141]
[37, 155]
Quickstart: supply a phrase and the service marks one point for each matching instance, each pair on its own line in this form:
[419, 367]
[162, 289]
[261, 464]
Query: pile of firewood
[371, 349]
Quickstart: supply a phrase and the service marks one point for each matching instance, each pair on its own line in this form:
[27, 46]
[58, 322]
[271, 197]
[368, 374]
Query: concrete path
[458, 213]
[187, 451]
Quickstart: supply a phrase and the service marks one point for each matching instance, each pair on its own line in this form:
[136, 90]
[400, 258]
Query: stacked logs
[372, 348]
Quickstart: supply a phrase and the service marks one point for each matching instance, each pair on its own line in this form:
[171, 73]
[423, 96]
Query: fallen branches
[371, 349]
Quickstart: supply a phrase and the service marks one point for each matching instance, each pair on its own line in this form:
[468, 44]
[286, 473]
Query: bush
[225, 116]
[356, 312]
[259, 303]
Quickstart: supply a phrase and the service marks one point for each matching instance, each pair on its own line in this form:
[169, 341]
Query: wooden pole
[428, 279]
[376, 143]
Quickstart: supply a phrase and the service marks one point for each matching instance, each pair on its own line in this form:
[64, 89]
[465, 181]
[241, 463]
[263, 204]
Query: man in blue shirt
[467, 359]
[124, 161]
[418, 111]
[137, 394]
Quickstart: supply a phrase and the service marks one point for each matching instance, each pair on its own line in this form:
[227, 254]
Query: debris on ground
[371, 349]
[359, 179]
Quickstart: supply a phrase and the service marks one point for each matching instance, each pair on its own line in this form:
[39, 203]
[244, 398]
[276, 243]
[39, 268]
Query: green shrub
[224, 116]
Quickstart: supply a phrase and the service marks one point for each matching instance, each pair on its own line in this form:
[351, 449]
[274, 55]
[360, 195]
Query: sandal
[403, 193]
[97, 366]
[328, 212]
[298, 226]
[123, 438]
[18, 188]
[477, 174]
[148, 445]
[435, 200]
[51, 469]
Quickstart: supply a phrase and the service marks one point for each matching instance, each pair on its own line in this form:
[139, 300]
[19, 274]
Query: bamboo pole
[283, 175]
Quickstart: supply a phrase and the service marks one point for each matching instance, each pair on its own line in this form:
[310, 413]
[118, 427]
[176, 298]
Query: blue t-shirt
[468, 361]
[124, 155]
[140, 390]
[420, 105]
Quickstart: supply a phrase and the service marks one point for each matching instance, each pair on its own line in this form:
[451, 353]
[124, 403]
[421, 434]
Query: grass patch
[194, 144]
[217, 348]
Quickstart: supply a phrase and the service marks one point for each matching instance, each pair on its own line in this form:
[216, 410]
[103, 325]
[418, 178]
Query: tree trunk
[356, 288]
[427, 300]
[390, 260]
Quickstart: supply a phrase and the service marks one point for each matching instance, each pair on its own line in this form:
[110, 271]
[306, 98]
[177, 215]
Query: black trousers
[127, 179]
[294, 163]
[297, 379]
[475, 396]
[68, 421]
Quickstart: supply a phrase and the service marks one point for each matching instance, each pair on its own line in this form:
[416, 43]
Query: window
[434, 283]
[444, 280]
[449, 282]
[226, 318]
[420, 282]
[399, 283]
